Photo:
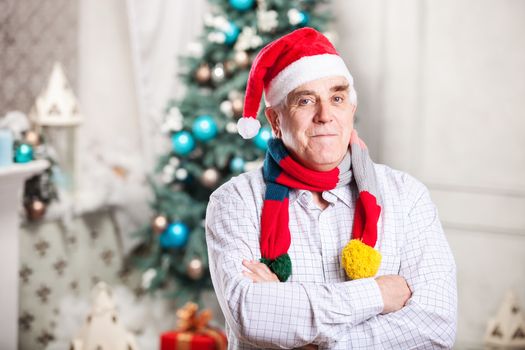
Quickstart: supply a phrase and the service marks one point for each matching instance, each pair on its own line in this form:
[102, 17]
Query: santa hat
[281, 66]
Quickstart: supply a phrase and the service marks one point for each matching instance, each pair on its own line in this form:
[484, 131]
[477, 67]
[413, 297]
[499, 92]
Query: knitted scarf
[281, 172]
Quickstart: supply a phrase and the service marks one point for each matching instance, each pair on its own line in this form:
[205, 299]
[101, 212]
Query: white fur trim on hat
[303, 70]
[248, 127]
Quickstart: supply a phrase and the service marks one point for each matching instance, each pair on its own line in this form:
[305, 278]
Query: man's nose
[324, 112]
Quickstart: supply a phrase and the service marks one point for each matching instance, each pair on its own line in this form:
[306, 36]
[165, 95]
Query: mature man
[352, 252]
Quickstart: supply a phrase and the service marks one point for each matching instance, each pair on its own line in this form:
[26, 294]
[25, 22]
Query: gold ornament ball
[195, 269]
[159, 224]
[229, 66]
[242, 59]
[35, 210]
[237, 106]
[32, 138]
[210, 177]
[203, 74]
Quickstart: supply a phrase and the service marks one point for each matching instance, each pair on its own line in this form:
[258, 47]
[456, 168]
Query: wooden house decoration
[507, 329]
[56, 114]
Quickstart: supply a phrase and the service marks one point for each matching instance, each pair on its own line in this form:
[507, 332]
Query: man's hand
[258, 272]
[395, 292]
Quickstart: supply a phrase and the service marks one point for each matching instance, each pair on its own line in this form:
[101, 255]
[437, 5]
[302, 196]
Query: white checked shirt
[318, 304]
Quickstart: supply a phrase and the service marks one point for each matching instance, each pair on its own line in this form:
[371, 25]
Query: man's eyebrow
[295, 94]
[342, 87]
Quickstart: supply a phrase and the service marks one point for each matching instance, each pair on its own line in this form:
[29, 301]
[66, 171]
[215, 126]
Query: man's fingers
[256, 267]
[258, 272]
[266, 268]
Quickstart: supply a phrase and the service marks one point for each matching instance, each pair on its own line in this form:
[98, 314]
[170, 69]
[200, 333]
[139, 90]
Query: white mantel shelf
[22, 170]
[12, 179]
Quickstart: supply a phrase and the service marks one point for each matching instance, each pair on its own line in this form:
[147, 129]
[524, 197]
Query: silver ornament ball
[195, 269]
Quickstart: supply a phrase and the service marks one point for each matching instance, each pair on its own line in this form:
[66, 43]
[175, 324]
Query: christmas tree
[206, 149]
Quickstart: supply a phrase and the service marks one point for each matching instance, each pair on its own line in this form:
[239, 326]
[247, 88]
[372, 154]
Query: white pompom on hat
[284, 64]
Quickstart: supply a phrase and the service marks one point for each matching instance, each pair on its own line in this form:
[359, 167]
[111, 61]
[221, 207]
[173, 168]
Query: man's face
[316, 125]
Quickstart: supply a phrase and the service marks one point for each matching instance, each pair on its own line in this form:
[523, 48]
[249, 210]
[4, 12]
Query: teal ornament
[24, 153]
[182, 142]
[242, 5]
[262, 138]
[204, 128]
[175, 235]
[231, 33]
[237, 165]
[304, 18]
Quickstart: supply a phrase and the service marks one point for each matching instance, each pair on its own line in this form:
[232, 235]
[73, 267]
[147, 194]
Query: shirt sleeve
[429, 319]
[276, 315]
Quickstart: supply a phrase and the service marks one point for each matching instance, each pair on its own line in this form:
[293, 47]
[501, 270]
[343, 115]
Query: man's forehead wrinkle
[303, 92]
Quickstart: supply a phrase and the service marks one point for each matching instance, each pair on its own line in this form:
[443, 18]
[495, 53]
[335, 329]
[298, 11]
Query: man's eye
[304, 101]
[338, 99]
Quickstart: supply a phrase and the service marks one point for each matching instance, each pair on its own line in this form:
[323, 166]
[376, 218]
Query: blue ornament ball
[262, 138]
[175, 235]
[231, 33]
[237, 165]
[182, 142]
[305, 18]
[242, 5]
[204, 128]
[24, 153]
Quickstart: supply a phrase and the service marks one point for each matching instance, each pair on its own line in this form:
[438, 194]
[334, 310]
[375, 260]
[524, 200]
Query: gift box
[193, 332]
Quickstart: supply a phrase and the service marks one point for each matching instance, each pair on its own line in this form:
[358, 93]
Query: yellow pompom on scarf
[360, 260]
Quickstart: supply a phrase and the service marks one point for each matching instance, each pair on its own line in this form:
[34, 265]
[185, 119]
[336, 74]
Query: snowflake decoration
[267, 20]
[173, 121]
[295, 17]
[248, 39]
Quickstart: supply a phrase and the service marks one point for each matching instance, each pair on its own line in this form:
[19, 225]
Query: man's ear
[273, 118]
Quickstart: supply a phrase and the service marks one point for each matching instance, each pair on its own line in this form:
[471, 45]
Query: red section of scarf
[365, 218]
[294, 175]
[275, 233]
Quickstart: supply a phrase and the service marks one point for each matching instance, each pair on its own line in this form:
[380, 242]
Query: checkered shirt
[318, 304]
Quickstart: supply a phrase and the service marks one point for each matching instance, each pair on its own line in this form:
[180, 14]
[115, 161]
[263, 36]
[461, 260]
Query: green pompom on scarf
[282, 266]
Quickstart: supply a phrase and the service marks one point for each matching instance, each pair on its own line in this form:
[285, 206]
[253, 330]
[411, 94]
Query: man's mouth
[324, 135]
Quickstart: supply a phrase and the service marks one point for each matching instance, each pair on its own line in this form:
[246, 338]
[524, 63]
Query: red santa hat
[281, 66]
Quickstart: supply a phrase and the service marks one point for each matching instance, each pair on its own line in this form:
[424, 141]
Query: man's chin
[320, 163]
[327, 149]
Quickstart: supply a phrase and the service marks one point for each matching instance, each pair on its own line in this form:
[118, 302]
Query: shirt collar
[344, 194]
[295, 195]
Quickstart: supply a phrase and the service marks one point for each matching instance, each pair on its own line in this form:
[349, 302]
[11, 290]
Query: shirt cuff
[365, 298]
